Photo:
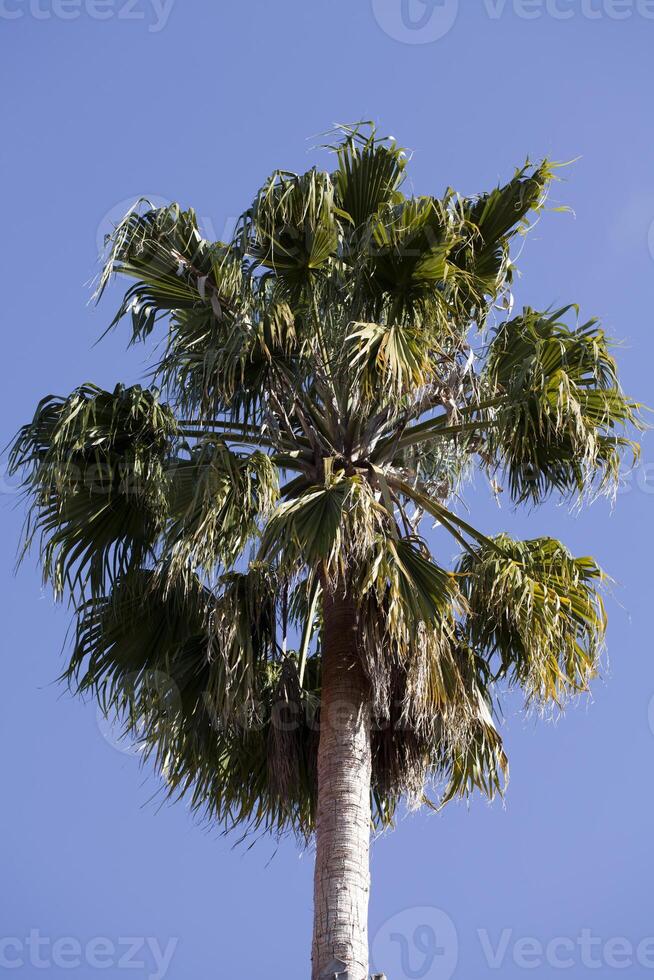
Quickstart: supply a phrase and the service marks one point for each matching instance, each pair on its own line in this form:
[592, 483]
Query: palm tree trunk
[342, 874]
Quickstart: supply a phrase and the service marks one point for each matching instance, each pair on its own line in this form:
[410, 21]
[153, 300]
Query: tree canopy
[327, 382]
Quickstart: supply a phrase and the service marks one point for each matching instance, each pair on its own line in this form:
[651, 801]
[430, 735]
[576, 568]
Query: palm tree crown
[329, 377]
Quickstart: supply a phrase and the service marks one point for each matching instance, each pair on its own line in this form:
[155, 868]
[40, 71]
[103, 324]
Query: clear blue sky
[198, 102]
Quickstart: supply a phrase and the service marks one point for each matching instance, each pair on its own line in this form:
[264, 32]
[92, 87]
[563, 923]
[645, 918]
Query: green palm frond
[175, 268]
[142, 629]
[243, 630]
[94, 468]
[411, 243]
[217, 501]
[219, 367]
[560, 426]
[313, 528]
[426, 590]
[492, 220]
[156, 660]
[292, 228]
[390, 358]
[370, 173]
[506, 210]
[537, 612]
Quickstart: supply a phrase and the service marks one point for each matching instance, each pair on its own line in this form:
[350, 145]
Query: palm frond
[492, 220]
[156, 660]
[369, 175]
[560, 427]
[94, 468]
[389, 358]
[537, 612]
[291, 229]
[174, 267]
[217, 502]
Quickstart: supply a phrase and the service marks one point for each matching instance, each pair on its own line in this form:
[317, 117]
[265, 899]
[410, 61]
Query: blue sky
[105, 100]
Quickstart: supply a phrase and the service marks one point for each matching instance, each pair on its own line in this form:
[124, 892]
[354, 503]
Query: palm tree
[242, 544]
